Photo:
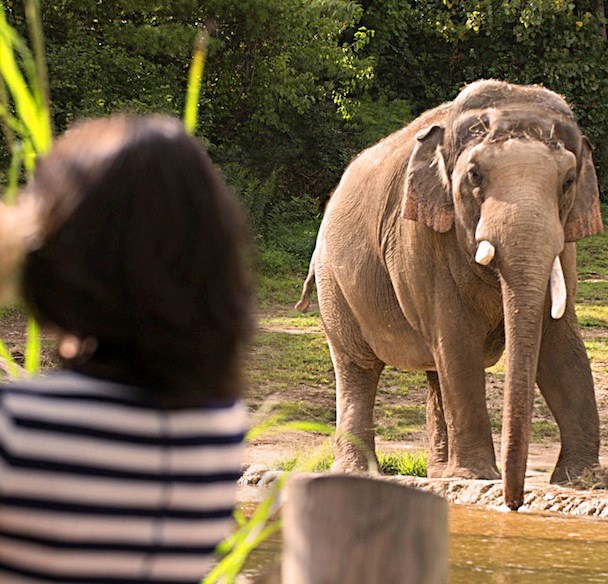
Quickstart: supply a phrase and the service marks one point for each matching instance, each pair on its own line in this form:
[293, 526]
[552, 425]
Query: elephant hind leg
[565, 381]
[355, 394]
[436, 428]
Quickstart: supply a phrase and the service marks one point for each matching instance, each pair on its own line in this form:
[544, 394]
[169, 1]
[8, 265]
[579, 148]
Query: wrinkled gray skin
[398, 283]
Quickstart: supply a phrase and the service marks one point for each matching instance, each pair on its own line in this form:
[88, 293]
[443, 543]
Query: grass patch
[593, 315]
[278, 288]
[499, 369]
[403, 463]
[303, 410]
[280, 360]
[400, 383]
[591, 255]
[12, 310]
[394, 463]
[315, 463]
[592, 292]
[308, 320]
[399, 421]
[597, 349]
[543, 431]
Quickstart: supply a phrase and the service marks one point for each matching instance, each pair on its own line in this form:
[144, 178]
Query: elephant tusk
[485, 253]
[480, 228]
[558, 290]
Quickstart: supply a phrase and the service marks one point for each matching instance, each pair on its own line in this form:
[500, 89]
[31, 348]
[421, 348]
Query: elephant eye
[569, 182]
[474, 176]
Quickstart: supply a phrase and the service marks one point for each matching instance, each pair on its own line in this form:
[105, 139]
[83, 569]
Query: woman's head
[143, 251]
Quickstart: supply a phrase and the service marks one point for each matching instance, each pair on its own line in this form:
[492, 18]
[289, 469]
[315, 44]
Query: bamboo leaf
[14, 170]
[195, 77]
[32, 347]
[29, 104]
[41, 86]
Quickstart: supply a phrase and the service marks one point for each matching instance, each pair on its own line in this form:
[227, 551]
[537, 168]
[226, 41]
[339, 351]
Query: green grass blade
[14, 80]
[12, 188]
[7, 130]
[32, 347]
[229, 567]
[41, 86]
[246, 539]
[195, 77]
[29, 105]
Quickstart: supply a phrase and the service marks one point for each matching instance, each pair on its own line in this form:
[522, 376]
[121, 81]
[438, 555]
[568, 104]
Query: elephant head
[511, 172]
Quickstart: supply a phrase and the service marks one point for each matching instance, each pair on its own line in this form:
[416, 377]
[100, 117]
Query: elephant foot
[590, 473]
[355, 465]
[487, 471]
[435, 470]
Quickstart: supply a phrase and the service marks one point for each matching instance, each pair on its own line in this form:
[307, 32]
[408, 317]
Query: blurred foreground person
[122, 466]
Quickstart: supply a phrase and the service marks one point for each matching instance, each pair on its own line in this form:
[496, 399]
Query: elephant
[446, 244]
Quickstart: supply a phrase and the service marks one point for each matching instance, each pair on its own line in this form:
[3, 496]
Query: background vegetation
[294, 88]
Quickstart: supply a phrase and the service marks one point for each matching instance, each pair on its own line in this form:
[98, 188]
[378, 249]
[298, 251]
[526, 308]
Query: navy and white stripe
[97, 486]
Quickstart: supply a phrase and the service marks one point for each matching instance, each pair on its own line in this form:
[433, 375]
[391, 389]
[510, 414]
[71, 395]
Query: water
[490, 547]
[510, 548]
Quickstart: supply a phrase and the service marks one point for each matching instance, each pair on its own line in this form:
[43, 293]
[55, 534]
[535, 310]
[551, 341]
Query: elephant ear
[585, 217]
[427, 197]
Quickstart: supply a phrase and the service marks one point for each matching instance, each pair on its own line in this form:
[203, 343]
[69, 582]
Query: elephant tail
[303, 304]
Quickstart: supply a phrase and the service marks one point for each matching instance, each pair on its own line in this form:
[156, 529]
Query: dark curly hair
[145, 250]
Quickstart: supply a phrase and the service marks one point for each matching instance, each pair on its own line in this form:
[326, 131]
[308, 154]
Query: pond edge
[538, 497]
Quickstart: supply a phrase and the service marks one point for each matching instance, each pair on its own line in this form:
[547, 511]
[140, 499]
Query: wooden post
[348, 529]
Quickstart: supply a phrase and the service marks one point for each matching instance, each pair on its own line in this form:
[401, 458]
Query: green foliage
[391, 463]
[403, 463]
[375, 119]
[399, 421]
[26, 125]
[251, 533]
[293, 89]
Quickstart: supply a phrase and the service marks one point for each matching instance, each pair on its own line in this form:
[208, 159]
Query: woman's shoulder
[68, 384]
[71, 386]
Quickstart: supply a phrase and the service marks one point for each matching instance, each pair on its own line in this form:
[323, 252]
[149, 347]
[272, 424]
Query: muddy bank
[539, 495]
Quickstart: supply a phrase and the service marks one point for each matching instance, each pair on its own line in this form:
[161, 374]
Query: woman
[122, 466]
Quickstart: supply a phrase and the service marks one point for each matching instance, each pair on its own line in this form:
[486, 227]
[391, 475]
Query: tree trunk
[339, 528]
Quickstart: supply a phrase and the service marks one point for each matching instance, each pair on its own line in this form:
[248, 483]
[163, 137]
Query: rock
[538, 497]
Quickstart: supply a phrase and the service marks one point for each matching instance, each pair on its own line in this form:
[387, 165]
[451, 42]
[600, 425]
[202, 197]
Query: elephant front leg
[469, 434]
[436, 429]
[355, 394]
[564, 378]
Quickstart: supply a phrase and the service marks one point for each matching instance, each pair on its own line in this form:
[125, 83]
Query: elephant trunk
[527, 245]
[523, 308]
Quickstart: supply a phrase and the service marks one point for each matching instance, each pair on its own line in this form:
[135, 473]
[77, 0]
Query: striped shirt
[96, 486]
